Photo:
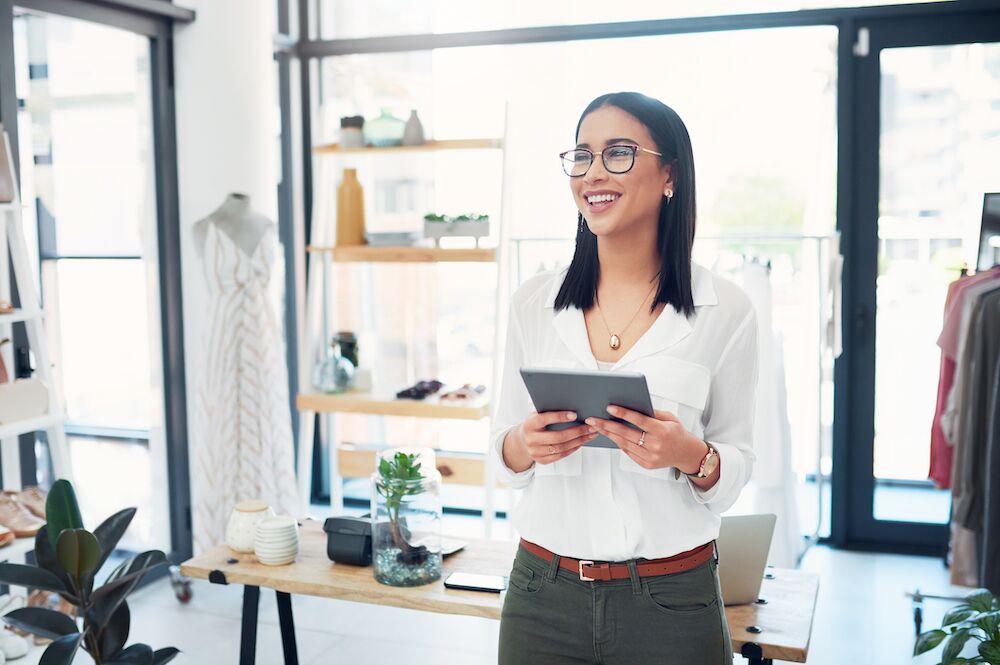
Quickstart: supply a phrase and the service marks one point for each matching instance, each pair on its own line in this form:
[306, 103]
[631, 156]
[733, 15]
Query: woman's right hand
[535, 444]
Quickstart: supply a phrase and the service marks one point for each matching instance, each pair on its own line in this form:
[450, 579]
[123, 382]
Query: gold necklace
[615, 342]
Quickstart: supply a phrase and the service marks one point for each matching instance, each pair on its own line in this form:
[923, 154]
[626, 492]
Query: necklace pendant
[615, 342]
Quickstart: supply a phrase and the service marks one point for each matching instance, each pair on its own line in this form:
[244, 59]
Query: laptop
[743, 544]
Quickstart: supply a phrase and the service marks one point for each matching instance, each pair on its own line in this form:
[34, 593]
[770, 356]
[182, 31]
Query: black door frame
[154, 20]
[854, 525]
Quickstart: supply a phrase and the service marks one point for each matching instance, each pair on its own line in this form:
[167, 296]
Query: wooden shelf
[379, 405]
[429, 146]
[456, 468]
[369, 254]
[21, 315]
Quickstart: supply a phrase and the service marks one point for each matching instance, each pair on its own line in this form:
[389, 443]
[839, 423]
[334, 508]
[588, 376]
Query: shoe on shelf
[32, 498]
[12, 646]
[17, 518]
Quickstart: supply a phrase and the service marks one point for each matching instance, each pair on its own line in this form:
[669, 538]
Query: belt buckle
[580, 565]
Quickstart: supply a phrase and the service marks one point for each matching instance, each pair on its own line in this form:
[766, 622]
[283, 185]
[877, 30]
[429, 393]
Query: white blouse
[597, 503]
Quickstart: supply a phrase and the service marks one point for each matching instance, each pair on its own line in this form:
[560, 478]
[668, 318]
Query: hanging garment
[773, 484]
[941, 450]
[243, 437]
[973, 410]
[989, 570]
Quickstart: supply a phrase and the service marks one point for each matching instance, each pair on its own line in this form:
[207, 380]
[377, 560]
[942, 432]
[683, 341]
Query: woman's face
[635, 196]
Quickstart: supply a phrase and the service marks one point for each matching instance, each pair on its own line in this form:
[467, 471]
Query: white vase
[242, 525]
[413, 133]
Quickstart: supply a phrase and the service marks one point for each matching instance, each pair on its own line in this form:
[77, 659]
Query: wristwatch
[708, 464]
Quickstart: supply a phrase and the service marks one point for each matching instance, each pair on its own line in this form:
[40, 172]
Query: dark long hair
[675, 228]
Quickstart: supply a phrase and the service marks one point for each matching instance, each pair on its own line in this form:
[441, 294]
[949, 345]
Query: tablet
[587, 393]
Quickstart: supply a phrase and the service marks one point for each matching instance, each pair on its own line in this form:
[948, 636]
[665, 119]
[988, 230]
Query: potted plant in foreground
[69, 557]
[406, 518]
[977, 618]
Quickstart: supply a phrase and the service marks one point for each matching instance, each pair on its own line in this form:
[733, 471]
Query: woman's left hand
[666, 442]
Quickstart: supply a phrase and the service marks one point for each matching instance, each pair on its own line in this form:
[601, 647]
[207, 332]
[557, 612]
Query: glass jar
[406, 517]
[385, 130]
[335, 373]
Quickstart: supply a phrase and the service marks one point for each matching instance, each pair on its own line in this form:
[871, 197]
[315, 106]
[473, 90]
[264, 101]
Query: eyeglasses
[617, 159]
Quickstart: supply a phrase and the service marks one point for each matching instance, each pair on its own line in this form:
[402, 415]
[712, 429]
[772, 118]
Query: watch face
[711, 463]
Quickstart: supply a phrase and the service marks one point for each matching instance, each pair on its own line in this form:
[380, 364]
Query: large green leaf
[61, 510]
[115, 634]
[164, 655]
[953, 646]
[927, 641]
[137, 654]
[989, 622]
[981, 600]
[45, 555]
[990, 650]
[41, 621]
[78, 552]
[111, 531]
[957, 614]
[62, 651]
[121, 582]
[30, 576]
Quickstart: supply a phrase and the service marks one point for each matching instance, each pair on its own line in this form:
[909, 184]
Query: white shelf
[19, 315]
[16, 551]
[30, 425]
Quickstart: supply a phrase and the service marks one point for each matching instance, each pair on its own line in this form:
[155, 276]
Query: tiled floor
[862, 617]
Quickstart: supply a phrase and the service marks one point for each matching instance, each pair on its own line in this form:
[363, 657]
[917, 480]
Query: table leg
[248, 631]
[287, 624]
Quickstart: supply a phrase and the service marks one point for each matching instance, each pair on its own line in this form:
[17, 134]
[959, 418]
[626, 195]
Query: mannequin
[242, 436]
[236, 219]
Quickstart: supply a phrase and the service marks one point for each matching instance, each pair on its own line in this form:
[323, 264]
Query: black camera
[349, 540]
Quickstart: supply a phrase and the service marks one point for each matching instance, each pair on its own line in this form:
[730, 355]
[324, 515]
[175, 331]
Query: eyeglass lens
[617, 159]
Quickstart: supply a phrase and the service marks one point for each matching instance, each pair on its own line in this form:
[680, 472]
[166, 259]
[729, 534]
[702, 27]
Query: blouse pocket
[573, 464]
[679, 387]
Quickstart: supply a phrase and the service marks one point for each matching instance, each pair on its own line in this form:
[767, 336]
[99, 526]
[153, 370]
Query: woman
[648, 511]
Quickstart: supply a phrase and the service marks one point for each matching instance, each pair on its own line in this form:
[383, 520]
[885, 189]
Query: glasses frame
[635, 151]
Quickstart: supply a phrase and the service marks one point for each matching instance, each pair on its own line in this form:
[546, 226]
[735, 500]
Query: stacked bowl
[276, 540]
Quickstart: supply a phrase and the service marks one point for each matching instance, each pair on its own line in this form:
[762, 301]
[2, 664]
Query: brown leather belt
[590, 571]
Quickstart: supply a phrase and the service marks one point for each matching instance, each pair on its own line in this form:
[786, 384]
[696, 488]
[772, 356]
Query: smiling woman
[622, 538]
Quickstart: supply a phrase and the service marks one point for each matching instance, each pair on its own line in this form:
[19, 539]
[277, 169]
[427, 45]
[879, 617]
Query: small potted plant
[406, 518]
[976, 618]
[69, 558]
[471, 225]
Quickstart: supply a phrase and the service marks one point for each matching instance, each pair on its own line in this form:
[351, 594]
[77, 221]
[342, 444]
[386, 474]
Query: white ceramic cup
[241, 528]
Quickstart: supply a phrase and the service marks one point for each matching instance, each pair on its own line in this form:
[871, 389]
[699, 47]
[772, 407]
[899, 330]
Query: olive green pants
[551, 617]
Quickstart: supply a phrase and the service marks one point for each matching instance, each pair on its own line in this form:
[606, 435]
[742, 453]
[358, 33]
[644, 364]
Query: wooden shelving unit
[385, 405]
[429, 146]
[369, 254]
[346, 461]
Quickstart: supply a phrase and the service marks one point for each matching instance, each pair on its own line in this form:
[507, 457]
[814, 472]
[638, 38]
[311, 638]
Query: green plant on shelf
[976, 618]
[69, 558]
[469, 217]
[400, 477]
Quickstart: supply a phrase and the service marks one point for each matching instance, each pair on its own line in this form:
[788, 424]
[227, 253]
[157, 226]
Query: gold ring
[642, 440]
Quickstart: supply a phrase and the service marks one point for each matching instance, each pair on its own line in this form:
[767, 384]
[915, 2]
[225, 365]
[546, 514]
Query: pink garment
[942, 451]
[951, 330]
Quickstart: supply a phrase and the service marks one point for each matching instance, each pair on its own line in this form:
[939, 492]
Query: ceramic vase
[350, 210]
[240, 530]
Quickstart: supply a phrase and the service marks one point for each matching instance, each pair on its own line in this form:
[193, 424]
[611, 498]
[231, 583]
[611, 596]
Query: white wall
[226, 100]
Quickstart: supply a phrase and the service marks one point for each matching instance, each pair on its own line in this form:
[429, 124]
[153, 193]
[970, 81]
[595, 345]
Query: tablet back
[587, 393]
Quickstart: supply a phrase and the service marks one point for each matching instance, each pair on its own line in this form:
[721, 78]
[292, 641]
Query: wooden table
[784, 622]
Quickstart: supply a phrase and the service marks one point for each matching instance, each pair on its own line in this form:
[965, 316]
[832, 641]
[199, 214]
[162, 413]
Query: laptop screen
[989, 233]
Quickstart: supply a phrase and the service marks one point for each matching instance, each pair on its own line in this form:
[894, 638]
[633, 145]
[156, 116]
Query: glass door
[929, 133]
[88, 177]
